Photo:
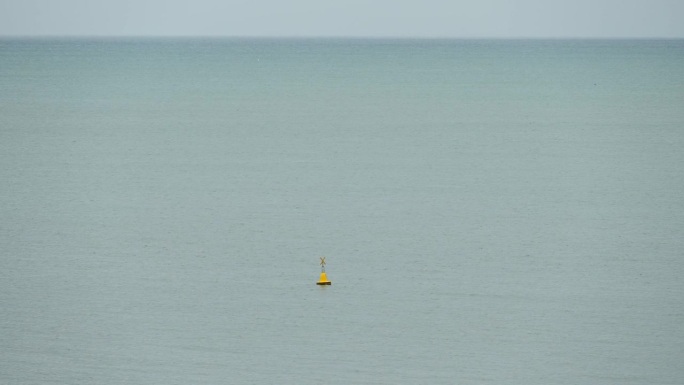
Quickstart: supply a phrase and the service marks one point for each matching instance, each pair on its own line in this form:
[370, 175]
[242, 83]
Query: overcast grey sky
[382, 18]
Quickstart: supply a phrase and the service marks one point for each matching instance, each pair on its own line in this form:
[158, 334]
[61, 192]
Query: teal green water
[505, 212]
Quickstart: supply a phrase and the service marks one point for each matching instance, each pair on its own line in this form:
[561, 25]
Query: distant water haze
[351, 18]
[503, 212]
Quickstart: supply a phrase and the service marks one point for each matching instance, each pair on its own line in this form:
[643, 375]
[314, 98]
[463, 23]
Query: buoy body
[323, 280]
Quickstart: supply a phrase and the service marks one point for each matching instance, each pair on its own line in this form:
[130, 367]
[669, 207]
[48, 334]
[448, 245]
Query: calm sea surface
[492, 212]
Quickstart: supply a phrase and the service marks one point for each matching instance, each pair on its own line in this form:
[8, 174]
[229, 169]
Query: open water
[492, 212]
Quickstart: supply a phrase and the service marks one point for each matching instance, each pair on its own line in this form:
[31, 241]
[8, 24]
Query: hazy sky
[400, 18]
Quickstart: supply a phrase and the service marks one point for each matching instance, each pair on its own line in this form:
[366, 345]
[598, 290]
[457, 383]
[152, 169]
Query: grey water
[491, 212]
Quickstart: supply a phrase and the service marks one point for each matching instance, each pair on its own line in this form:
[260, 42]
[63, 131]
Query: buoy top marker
[324, 279]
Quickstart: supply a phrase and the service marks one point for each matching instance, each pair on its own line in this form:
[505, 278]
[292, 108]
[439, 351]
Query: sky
[346, 18]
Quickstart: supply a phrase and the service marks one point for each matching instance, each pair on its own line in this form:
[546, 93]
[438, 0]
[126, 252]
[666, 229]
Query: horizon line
[332, 37]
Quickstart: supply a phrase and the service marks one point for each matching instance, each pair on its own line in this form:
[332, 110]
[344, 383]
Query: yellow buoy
[324, 279]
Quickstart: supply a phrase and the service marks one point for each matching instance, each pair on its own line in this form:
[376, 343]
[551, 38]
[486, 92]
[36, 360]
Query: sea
[490, 211]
